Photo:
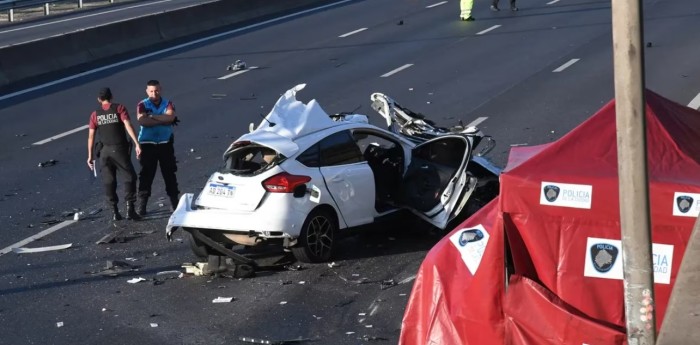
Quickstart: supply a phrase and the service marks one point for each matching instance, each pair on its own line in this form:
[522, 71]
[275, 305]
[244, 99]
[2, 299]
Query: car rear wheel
[198, 248]
[317, 237]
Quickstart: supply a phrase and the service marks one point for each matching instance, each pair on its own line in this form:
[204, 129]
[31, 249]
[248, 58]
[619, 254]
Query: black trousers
[151, 156]
[113, 159]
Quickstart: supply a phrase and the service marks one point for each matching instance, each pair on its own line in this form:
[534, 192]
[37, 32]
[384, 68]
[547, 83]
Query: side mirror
[299, 191]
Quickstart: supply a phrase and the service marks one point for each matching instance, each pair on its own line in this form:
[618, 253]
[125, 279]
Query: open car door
[436, 178]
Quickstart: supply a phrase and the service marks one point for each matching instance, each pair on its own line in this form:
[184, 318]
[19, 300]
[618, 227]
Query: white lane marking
[695, 103]
[42, 142]
[436, 4]
[238, 72]
[476, 122]
[352, 32]
[566, 65]
[166, 50]
[388, 74]
[37, 236]
[85, 16]
[489, 29]
[553, 2]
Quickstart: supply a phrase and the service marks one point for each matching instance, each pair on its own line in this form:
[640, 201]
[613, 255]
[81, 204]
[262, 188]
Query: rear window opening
[249, 159]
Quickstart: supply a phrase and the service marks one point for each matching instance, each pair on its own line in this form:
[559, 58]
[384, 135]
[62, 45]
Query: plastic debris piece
[283, 302]
[48, 163]
[362, 314]
[348, 333]
[24, 250]
[333, 264]
[222, 300]
[135, 280]
[154, 325]
[131, 259]
[368, 326]
[302, 282]
[402, 294]
[196, 269]
[59, 324]
[236, 66]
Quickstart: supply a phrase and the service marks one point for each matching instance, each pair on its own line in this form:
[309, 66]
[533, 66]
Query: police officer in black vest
[111, 121]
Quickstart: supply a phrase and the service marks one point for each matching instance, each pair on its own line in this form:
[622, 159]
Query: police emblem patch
[684, 202]
[468, 236]
[551, 192]
[603, 256]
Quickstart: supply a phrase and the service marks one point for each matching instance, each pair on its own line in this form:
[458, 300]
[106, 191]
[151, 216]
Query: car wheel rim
[319, 236]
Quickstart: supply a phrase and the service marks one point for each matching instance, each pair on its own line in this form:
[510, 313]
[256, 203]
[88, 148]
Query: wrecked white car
[302, 175]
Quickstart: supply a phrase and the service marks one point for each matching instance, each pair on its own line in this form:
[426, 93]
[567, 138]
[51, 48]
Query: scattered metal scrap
[274, 342]
[23, 250]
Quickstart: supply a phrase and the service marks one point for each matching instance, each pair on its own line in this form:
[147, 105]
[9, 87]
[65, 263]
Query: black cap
[105, 94]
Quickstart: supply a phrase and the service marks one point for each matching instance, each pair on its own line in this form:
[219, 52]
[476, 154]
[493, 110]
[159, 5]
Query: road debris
[23, 250]
[373, 338]
[59, 324]
[154, 325]
[196, 269]
[48, 163]
[283, 302]
[136, 280]
[218, 95]
[236, 66]
[115, 268]
[274, 342]
[222, 300]
[112, 237]
[333, 264]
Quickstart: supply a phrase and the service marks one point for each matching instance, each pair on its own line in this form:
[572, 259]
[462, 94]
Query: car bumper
[266, 221]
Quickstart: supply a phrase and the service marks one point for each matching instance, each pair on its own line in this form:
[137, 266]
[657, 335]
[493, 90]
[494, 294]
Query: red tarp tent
[559, 206]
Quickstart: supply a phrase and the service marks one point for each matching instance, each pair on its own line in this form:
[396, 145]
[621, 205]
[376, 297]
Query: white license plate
[221, 190]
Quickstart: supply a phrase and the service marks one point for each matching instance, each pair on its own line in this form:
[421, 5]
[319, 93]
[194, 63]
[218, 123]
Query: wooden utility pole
[628, 52]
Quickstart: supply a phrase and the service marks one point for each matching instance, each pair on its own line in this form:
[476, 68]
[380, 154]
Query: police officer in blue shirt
[156, 115]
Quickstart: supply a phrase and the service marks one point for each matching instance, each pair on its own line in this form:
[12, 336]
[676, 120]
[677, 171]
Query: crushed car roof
[289, 119]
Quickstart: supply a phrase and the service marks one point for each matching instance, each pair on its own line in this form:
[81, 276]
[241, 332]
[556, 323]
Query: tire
[198, 248]
[317, 238]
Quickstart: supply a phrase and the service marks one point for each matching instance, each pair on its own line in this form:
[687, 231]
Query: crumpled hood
[288, 120]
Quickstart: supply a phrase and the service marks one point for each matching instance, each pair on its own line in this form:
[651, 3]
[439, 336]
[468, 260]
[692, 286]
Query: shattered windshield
[249, 160]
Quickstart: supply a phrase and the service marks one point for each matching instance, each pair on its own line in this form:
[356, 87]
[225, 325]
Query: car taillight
[284, 182]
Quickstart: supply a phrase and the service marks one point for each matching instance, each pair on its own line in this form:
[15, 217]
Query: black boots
[115, 213]
[142, 206]
[174, 200]
[131, 211]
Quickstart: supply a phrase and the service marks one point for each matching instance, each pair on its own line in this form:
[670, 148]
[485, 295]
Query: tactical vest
[110, 126]
[155, 134]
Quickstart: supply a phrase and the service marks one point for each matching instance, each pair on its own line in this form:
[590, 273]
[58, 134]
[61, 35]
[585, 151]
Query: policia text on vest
[111, 122]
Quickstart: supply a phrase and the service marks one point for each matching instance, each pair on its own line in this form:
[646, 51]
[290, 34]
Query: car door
[348, 178]
[435, 178]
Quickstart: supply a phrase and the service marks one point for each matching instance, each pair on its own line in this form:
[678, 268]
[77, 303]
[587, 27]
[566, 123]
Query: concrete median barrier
[33, 60]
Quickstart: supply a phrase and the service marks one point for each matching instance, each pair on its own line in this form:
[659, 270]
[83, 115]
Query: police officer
[156, 115]
[111, 121]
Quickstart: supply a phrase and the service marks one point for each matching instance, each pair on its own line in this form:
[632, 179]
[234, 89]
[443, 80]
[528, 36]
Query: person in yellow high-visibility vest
[465, 7]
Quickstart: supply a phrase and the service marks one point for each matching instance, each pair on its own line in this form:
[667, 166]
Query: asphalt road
[39, 27]
[529, 77]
